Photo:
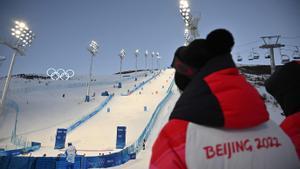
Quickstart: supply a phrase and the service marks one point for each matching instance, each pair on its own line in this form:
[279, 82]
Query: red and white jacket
[291, 126]
[220, 121]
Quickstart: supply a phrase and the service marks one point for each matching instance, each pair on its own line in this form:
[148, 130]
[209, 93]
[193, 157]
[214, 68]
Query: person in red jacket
[220, 120]
[284, 85]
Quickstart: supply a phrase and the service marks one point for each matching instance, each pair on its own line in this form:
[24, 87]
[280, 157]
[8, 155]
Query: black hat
[284, 85]
[220, 41]
[188, 60]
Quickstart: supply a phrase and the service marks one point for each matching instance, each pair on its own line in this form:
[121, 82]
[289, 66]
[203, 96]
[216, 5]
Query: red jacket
[220, 121]
[291, 126]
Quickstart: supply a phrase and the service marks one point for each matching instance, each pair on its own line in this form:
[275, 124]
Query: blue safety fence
[82, 162]
[87, 117]
[34, 146]
[129, 92]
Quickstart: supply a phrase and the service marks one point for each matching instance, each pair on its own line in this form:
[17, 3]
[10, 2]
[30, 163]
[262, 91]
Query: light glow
[22, 33]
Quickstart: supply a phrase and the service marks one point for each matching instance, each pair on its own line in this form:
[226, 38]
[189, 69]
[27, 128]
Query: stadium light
[190, 22]
[122, 56]
[157, 60]
[146, 55]
[93, 49]
[152, 56]
[136, 54]
[24, 37]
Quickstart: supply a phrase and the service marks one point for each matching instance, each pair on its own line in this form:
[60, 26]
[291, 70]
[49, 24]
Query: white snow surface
[43, 110]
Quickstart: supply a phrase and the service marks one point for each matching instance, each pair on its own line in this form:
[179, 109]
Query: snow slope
[43, 109]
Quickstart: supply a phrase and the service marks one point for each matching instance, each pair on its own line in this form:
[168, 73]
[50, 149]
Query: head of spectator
[284, 86]
[188, 60]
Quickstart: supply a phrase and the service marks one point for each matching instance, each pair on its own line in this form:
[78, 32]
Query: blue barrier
[87, 117]
[82, 162]
[61, 163]
[140, 85]
[45, 163]
[35, 146]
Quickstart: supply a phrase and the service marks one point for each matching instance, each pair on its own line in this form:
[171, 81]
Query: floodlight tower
[146, 55]
[191, 23]
[136, 54]
[24, 37]
[157, 60]
[93, 49]
[152, 56]
[122, 56]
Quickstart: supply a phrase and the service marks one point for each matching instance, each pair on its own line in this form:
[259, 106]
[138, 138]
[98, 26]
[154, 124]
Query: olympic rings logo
[60, 74]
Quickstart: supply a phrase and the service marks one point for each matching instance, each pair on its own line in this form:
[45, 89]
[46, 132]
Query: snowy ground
[43, 111]
[273, 108]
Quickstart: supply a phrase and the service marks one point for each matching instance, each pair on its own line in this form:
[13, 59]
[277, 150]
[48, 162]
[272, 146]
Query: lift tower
[268, 45]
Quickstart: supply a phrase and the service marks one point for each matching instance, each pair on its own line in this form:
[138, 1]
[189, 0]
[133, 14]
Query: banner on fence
[121, 137]
[60, 139]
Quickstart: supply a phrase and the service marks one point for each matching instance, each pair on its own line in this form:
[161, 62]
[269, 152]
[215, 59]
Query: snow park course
[51, 104]
[136, 106]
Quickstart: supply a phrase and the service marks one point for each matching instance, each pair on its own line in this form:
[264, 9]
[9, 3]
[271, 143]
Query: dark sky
[64, 29]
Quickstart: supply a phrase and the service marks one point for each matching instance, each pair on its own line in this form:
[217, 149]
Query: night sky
[64, 29]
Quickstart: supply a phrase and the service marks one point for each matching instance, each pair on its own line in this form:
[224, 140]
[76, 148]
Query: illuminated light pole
[146, 55]
[152, 56]
[122, 56]
[136, 54]
[190, 22]
[24, 37]
[93, 49]
[157, 60]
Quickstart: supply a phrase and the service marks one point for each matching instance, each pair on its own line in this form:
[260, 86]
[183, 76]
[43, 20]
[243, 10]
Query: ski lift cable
[290, 37]
[246, 50]
[294, 46]
[290, 49]
[248, 43]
